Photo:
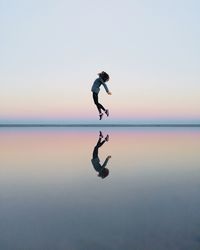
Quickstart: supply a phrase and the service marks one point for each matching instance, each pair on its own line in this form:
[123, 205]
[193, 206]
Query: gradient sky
[51, 51]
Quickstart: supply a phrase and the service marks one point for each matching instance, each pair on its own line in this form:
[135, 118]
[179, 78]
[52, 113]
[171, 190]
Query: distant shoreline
[99, 125]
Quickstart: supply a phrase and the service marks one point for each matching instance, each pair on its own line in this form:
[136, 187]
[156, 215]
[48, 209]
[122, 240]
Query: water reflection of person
[101, 169]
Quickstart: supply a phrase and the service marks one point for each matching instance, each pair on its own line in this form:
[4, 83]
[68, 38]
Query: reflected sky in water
[53, 196]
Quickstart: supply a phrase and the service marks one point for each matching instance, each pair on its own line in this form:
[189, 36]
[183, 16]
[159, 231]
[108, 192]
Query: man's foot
[100, 134]
[107, 112]
[107, 138]
[100, 116]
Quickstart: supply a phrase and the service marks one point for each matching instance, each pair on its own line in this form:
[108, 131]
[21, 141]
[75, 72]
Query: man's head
[104, 173]
[104, 76]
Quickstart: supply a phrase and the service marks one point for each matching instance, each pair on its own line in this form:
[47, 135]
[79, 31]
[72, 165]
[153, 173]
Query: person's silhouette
[101, 80]
[103, 172]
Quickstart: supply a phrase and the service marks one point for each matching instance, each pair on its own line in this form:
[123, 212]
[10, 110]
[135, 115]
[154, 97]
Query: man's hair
[104, 76]
[104, 173]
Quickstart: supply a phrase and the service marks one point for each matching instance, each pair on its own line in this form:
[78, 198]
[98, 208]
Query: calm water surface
[53, 196]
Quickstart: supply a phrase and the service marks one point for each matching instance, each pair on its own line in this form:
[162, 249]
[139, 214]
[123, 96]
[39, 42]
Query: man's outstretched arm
[106, 161]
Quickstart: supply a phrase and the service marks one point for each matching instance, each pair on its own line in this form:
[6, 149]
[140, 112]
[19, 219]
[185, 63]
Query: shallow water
[51, 196]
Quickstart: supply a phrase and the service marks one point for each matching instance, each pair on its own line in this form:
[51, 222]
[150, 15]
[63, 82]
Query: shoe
[107, 112]
[107, 138]
[100, 116]
[100, 134]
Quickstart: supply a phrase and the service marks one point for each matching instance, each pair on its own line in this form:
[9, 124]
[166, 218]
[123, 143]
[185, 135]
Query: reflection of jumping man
[101, 169]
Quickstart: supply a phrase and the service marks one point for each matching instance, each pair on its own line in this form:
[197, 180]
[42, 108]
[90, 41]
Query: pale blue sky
[51, 51]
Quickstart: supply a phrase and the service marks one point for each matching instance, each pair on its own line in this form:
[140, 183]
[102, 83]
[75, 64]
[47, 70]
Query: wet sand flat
[52, 197]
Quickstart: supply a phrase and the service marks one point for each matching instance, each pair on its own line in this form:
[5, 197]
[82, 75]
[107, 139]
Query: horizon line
[99, 125]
